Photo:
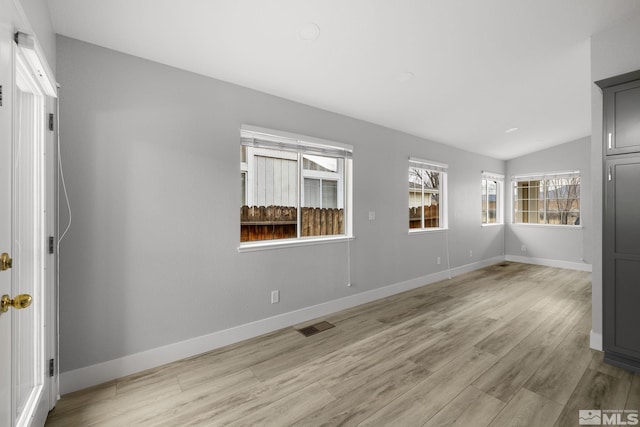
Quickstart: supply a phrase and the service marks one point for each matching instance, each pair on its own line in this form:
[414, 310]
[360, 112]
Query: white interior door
[6, 79]
[25, 330]
[30, 393]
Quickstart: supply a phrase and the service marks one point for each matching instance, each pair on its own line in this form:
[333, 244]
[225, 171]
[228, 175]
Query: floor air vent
[504, 264]
[315, 329]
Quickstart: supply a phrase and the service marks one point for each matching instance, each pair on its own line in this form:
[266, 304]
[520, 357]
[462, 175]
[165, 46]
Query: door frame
[14, 20]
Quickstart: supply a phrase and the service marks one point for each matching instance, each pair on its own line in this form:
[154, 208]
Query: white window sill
[426, 230]
[522, 224]
[498, 224]
[290, 243]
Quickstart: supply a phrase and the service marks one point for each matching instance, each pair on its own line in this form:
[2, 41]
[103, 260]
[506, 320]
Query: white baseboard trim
[595, 341]
[581, 266]
[88, 376]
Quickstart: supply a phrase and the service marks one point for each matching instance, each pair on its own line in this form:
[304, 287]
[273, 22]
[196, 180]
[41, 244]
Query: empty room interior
[413, 213]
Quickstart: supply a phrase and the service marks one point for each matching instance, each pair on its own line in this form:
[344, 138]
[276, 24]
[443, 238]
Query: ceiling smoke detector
[405, 76]
[309, 32]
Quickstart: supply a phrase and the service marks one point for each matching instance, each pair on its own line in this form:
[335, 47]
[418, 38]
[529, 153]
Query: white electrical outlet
[470, 254]
[523, 248]
[438, 260]
[372, 215]
[275, 297]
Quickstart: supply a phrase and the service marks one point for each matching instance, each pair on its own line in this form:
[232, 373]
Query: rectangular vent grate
[504, 264]
[315, 329]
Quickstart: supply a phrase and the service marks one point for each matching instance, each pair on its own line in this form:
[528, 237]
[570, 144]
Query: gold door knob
[5, 261]
[21, 301]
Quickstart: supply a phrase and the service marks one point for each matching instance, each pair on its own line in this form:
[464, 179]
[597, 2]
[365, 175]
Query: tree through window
[547, 199]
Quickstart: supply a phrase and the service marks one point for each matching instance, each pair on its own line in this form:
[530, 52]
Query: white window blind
[550, 175]
[427, 164]
[492, 176]
[252, 136]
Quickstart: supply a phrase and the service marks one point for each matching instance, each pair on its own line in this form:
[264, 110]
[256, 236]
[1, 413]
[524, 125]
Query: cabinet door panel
[627, 119]
[627, 208]
[627, 306]
[622, 118]
[621, 287]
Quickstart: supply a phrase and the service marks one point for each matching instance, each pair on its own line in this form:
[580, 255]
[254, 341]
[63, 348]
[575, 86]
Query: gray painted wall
[151, 157]
[613, 52]
[549, 242]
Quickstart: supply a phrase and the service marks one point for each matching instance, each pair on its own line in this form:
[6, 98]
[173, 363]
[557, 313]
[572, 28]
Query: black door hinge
[51, 121]
[51, 367]
[50, 244]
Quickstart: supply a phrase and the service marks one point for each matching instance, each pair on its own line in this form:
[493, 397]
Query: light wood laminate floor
[507, 345]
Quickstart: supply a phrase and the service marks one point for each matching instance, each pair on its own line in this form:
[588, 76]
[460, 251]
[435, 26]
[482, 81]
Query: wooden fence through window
[431, 216]
[280, 222]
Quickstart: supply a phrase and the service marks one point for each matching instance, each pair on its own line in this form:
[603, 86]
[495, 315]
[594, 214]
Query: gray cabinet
[621, 227]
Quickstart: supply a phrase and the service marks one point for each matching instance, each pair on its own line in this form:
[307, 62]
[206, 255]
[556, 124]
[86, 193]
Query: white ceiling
[480, 66]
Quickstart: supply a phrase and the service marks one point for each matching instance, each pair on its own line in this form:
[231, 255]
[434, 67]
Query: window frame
[543, 179]
[442, 169]
[322, 176]
[499, 180]
[291, 146]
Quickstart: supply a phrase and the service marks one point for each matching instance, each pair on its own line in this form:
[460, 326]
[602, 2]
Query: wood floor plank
[508, 374]
[361, 402]
[633, 399]
[528, 409]
[459, 338]
[104, 411]
[417, 307]
[503, 339]
[287, 411]
[596, 390]
[355, 379]
[314, 346]
[472, 407]
[350, 359]
[431, 395]
[234, 358]
[153, 413]
[584, 324]
[349, 376]
[559, 375]
[199, 406]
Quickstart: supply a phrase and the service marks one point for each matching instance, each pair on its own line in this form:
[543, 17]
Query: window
[547, 199]
[321, 178]
[492, 198]
[292, 186]
[427, 195]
